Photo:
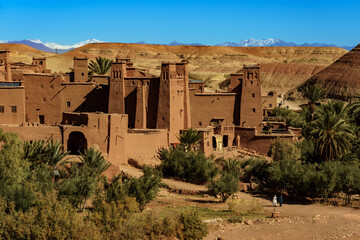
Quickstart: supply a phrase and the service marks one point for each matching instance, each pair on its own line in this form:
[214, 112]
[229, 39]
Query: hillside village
[136, 176]
[116, 112]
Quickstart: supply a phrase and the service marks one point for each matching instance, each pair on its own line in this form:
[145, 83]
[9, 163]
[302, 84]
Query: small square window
[51, 86]
[253, 110]
[253, 95]
[44, 99]
[68, 104]
[14, 109]
[2, 109]
[208, 144]
[42, 86]
[270, 105]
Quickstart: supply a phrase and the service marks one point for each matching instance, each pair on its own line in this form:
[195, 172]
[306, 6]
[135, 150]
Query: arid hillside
[341, 79]
[283, 67]
[23, 53]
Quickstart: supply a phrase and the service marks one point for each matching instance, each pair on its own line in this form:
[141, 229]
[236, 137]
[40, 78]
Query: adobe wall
[104, 132]
[42, 98]
[41, 132]
[142, 145]
[12, 97]
[269, 102]
[82, 97]
[207, 106]
[258, 142]
[206, 145]
[197, 86]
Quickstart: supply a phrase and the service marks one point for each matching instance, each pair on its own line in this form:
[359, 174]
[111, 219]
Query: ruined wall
[12, 105]
[143, 145]
[206, 106]
[258, 142]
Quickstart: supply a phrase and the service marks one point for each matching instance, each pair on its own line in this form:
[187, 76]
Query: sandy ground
[297, 221]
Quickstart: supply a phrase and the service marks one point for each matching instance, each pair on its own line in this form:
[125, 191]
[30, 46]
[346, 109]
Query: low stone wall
[142, 145]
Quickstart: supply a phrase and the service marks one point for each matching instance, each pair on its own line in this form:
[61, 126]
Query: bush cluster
[289, 174]
[189, 166]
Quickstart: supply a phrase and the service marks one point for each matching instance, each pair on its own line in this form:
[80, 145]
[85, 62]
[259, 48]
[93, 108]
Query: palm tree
[332, 132]
[313, 94]
[101, 66]
[190, 138]
[50, 153]
[94, 160]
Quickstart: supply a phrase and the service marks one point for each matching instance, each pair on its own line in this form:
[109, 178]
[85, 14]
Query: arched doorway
[76, 143]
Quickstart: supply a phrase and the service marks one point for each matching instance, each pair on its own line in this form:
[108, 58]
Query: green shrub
[192, 226]
[146, 187]
[189, 166]
[244, 207]
[255, 170]
[281, 149]
[225, 186]
[293, 119]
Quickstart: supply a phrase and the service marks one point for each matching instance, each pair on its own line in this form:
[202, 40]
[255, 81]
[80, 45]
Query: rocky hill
[341, 79]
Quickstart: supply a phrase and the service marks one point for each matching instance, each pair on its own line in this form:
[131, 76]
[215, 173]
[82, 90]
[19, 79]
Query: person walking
[274, 201]
[281, 200]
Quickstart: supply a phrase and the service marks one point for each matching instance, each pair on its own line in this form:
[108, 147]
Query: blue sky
[207, 22]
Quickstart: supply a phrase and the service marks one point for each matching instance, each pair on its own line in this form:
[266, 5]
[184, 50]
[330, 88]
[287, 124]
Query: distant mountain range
[52, 47]
[251, 42]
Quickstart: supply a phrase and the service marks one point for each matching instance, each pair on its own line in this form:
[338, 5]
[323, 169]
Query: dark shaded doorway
[42, 119]
[225, 141]
[76, 143]
[214, 142]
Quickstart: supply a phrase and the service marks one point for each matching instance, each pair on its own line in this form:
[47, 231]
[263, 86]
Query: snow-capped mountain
[52, 47]
[276, 42]
[65, 47]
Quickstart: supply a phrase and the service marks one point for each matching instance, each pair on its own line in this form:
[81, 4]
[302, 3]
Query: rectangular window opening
[14, 109]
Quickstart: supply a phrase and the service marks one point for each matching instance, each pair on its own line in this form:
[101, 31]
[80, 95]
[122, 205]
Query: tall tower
[174, 104]
[117, 87]
[5, 62]
[250, 98]
[81, 69]
[40, 62]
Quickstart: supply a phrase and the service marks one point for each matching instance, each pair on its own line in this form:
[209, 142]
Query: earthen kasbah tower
[5, 73]
[174, 103]
[248, 108]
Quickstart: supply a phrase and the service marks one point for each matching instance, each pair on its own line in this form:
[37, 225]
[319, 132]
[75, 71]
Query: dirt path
[297, 221]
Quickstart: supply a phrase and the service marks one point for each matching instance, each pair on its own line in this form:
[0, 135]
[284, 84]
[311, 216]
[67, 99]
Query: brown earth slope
[23, 53]
[283, 67]
[341, 79]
